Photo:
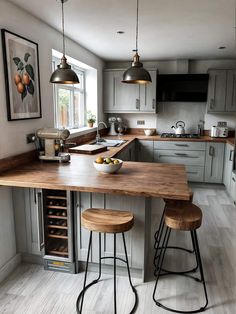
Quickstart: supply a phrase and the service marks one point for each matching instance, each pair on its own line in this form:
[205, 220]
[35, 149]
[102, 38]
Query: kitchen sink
[109, 142]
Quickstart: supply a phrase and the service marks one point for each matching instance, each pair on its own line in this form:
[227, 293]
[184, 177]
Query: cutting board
[88, 149]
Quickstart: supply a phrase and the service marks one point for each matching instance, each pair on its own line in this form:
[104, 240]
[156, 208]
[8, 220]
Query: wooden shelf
[56, 207]
[57, 217]
[57, 227]
[57, 197]
[57, 236]
[58, 253]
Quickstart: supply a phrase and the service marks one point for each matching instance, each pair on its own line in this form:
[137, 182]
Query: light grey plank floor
[31, 290]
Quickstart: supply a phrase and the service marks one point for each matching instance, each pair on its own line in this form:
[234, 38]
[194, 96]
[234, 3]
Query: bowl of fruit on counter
[107, 164]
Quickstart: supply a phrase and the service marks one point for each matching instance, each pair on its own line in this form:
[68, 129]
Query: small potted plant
[91, 119]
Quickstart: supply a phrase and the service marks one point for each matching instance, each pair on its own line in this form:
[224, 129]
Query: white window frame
[72, 88]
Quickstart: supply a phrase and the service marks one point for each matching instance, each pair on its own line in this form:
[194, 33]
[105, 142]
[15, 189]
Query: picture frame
[22, 81]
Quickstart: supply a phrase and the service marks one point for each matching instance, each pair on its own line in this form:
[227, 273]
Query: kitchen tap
[98, 138]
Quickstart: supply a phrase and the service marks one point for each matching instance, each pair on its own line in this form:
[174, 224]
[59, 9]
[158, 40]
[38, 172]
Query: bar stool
[157, 238]
[106, 221]
[188, 217]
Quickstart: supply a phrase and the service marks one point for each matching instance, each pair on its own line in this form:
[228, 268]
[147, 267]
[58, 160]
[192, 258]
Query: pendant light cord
[63, 27]
[137, 27]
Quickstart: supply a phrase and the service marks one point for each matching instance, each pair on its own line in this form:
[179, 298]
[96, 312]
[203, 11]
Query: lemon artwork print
[24, 76]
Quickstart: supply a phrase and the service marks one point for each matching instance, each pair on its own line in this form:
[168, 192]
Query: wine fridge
[58, 230]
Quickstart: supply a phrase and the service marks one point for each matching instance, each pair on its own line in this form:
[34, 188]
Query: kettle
[179, 127]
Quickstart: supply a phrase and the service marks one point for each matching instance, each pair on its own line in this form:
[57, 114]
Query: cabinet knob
[211, 151]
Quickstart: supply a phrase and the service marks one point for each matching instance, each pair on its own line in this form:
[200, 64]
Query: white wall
[13, 133]
[170, 113]
[16, 20]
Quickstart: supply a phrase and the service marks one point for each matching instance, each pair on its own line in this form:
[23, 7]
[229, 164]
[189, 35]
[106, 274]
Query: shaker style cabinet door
[145, 151]
[231, 91]
[216, 91]
[228, 166]
[148, 101]
[214, 162]
[108, 91]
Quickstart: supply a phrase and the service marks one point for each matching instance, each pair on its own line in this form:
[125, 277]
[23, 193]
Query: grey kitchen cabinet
[221, 91]
[145, 150]
[228, 166]
[233, 187]
[134, 238]
[190, 154]
[214, 162]
[121, 97]
[118, 96]
[28, 211]
[128, 153]
[148, 101]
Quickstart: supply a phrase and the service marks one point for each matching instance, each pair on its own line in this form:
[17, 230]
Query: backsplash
[169, 113]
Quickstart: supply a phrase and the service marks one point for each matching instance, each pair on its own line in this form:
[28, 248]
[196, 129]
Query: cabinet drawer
[146, 143]
[179, 145]
[194, 158]
[195, 173]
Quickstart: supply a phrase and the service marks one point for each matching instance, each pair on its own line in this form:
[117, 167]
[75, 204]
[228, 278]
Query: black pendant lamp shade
[136, 74]
[64, 74]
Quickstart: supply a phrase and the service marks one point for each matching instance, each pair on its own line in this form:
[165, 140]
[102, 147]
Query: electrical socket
[30, 138]
[140, 122]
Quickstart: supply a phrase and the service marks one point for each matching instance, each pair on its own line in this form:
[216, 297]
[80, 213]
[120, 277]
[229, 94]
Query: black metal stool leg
[200, 268]
[114, 263]
[130, 281]
[81, 295]
[159, 268]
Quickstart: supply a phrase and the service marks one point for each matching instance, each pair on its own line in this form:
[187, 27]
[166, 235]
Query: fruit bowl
[107, 165]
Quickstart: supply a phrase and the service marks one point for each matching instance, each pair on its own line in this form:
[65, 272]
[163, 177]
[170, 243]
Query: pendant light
[136, 74]
[63, 74]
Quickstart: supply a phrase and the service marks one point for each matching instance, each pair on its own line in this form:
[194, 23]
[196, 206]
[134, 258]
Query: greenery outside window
[70, 104]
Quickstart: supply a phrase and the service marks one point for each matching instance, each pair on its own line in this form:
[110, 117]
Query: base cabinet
[214, 162]
[128, 154]
[135, 241]
[145, 151]
[233, 187]
[28, 220]
[228, 166]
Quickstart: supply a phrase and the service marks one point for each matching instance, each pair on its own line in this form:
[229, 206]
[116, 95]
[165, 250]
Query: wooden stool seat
[107, 220]
[185, 216]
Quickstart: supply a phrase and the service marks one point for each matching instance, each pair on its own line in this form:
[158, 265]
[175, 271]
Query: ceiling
[168, 29]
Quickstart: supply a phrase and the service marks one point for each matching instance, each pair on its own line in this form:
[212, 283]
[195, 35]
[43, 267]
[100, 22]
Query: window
[70, 105]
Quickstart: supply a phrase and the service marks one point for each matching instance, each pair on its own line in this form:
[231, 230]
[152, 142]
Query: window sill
[81, 131]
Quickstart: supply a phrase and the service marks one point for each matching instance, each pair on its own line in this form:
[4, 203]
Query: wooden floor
[32, 290]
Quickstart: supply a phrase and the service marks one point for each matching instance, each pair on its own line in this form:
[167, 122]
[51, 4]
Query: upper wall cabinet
[121, 97]
[221, 91]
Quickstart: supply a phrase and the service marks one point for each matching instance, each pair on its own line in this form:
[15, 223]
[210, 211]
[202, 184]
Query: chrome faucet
[98, 138]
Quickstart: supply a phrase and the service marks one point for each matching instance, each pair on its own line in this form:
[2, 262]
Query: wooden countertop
[134, 178]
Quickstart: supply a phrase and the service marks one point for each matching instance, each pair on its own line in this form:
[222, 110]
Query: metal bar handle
[231, 155]
[40, 221]
[137, 103]
[182, 145]
[212, 103]
[153, 103]
[211, 151]
[181, 154]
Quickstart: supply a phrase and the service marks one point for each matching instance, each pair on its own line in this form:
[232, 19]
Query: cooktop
[173, 135]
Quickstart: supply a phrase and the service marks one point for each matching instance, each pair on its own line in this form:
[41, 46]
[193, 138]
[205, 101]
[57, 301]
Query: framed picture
[21, 68]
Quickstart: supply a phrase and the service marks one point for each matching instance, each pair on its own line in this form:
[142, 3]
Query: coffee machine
[53, 144]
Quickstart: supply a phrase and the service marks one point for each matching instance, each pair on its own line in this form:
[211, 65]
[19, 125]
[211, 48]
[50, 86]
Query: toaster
[219, 131]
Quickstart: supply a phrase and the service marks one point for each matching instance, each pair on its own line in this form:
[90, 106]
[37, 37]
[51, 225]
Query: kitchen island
[138, 187]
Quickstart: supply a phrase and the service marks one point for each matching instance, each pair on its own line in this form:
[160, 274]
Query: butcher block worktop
[134, 178]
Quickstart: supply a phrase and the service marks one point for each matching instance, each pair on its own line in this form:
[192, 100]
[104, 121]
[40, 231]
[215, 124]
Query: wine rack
[56, 207]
